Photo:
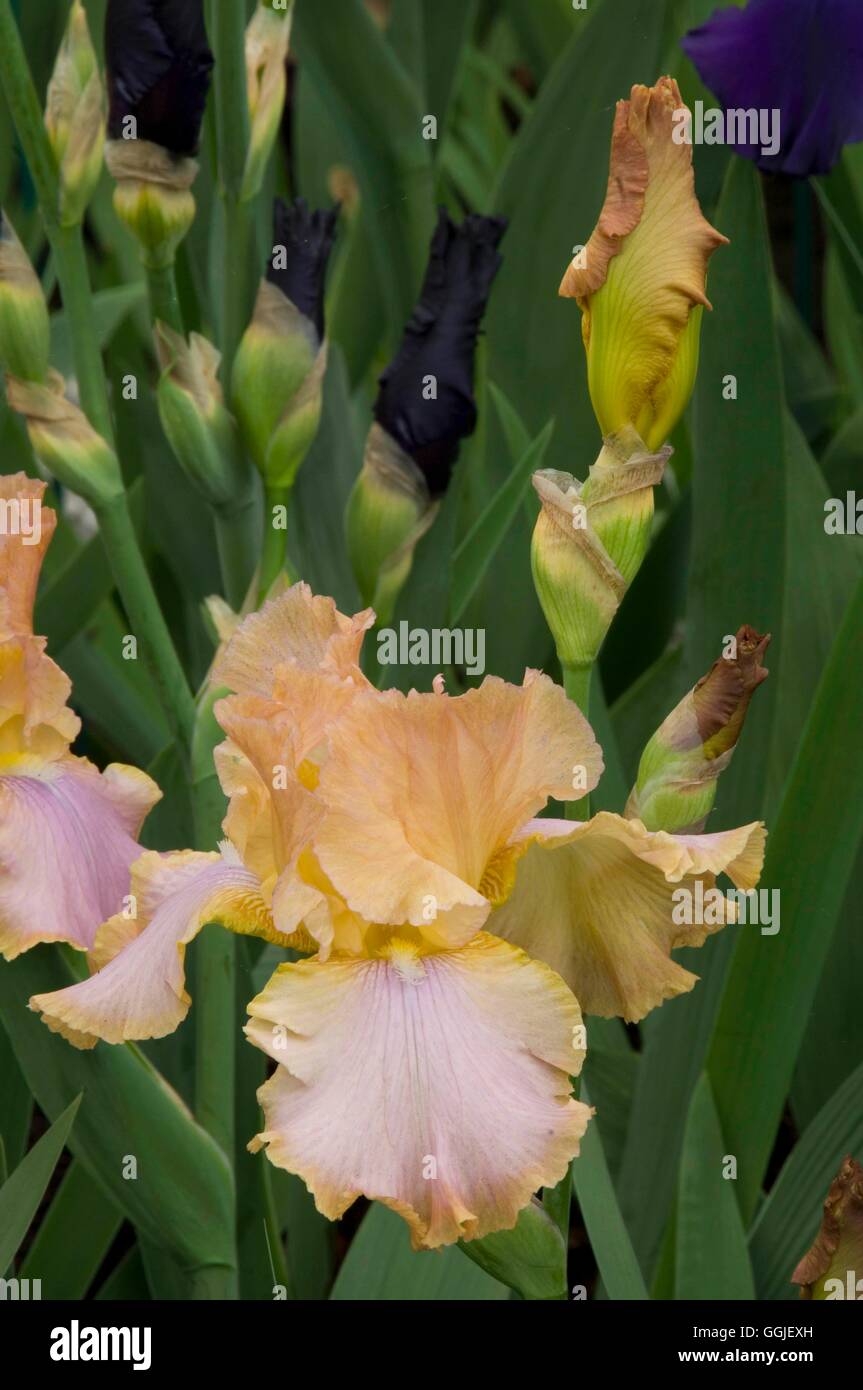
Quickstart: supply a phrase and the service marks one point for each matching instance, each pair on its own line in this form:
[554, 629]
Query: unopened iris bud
[25, 333]
[279, 367]
[64, 441]
[425, 407]
[159, 65]
[679, 768]
[640, 280]
[589, 541]
[200, 430]
[388, 511]
[75, 118]
[833, 1267]
[267, 39]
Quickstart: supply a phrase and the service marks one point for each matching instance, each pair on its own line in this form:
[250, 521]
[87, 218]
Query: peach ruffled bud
[201, 431]
[833, 1267]
[25, 334]
[64, 441]
[589, 541]
[75, 117]
[680, 766]
[640, 280]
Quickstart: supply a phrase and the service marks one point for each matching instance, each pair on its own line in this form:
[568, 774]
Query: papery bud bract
[833, 1267]
[389, 509]
[153, 197]
[267, 39]
[589, 541]
[75, 116]
[680, 766]
[277, 380]
[200, 430]
[64, 441]
[25, 334]
[640, 280]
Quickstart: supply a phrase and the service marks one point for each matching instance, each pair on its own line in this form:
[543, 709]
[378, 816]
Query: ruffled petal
[139, 988]
[424, 791]
[298, 628]
[595, 902]
[24, 538]
[456, 1106]
[67, 842]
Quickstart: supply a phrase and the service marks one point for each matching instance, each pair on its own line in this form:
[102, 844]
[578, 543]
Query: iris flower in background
[424, 408]
[422, 1060]
[802, 58]
[68, 833]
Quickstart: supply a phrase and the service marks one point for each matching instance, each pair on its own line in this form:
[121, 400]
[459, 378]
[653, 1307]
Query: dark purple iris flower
[308, 239]
[159, 65]
[803, 58]
[440, 341]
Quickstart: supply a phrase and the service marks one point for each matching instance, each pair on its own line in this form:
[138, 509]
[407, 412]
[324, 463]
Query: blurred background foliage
[765, 1058]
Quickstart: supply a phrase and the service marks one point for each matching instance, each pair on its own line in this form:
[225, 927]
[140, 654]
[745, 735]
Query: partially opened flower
[279, 367]
[159, 65]
[68, 833]
[640, 280]
[833, 1267]
[425, 407]
[799, 63]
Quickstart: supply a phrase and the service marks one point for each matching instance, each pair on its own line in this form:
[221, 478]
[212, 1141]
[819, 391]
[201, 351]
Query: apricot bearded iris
[421, 1059]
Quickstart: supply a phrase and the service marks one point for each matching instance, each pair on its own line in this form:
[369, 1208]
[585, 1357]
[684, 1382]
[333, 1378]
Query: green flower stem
[164, 300]
[213, 1283]
[226, 27]
[238, 536]
[275, 547]
[576, 683]
[215, 963]
[145, 615]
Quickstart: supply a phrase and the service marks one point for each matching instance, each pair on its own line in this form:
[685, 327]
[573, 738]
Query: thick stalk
[226, 27]
[164, 300]
[238, 535]
[576, 683]
[141, 604]
[275, 547]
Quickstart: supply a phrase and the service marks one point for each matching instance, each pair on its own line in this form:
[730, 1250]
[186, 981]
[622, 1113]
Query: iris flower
[68, 833]
[801, 58]
[159, 64]
[424, 1048]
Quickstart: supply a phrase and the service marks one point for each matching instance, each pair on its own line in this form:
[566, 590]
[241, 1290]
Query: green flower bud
[153, 197]
[277, 384]
[680, 766]
[267, 39]
[75, 117]
[389, 509]
[833, 1267]
[64, 441]
[25, 334]
[590, 540]
[200, 430]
